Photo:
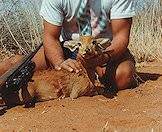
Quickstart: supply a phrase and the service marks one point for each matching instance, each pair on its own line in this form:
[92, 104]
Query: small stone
[63, 106]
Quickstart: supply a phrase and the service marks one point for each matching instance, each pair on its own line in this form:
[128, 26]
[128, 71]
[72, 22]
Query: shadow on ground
[148, 76]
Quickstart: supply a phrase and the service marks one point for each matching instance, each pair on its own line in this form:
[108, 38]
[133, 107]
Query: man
[60, 18]
[63, 20]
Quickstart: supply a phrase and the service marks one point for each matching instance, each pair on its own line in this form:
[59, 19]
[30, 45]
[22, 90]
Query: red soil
[137, 109]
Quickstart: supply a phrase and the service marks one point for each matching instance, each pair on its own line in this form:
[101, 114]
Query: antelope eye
[79, 44]
[94, 42]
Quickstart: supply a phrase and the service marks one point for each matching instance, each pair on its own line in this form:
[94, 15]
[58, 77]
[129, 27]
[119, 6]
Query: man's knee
[40, 60]
[9, 63]
[124, 75]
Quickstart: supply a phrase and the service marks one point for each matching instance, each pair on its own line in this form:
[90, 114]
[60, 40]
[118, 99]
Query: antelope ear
[72, 45]
[104, 42]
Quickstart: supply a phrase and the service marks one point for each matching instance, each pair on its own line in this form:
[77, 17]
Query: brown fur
[59, 83]
[51, 84]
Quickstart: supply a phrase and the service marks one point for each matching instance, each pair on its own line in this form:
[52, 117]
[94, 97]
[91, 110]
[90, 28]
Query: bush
[146, 43]
[21, 28]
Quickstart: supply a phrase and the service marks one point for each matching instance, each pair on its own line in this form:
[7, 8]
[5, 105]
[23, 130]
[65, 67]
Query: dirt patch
[136, 109]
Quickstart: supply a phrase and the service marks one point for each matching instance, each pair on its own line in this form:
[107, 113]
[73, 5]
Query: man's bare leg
[39, 60]
[123, 75]
[8, 63]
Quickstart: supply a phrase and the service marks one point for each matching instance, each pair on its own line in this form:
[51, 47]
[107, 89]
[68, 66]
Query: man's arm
[53, 49]
[121, 32]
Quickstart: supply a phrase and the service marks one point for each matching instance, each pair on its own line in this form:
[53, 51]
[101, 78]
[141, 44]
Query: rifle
[19, 75]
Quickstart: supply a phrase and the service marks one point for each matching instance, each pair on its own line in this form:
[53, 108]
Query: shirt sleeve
[52, 11]
[122, 9]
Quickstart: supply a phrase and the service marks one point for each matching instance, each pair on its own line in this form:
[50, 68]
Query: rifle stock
[18, 75]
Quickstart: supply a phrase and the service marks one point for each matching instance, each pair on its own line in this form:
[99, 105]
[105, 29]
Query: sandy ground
[138, 109]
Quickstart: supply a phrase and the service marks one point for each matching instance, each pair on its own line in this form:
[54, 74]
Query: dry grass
[20, 29]
[146, 42]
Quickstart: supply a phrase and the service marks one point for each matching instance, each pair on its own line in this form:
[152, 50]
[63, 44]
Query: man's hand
[121, 31]
[94, 60]
[70, 65]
